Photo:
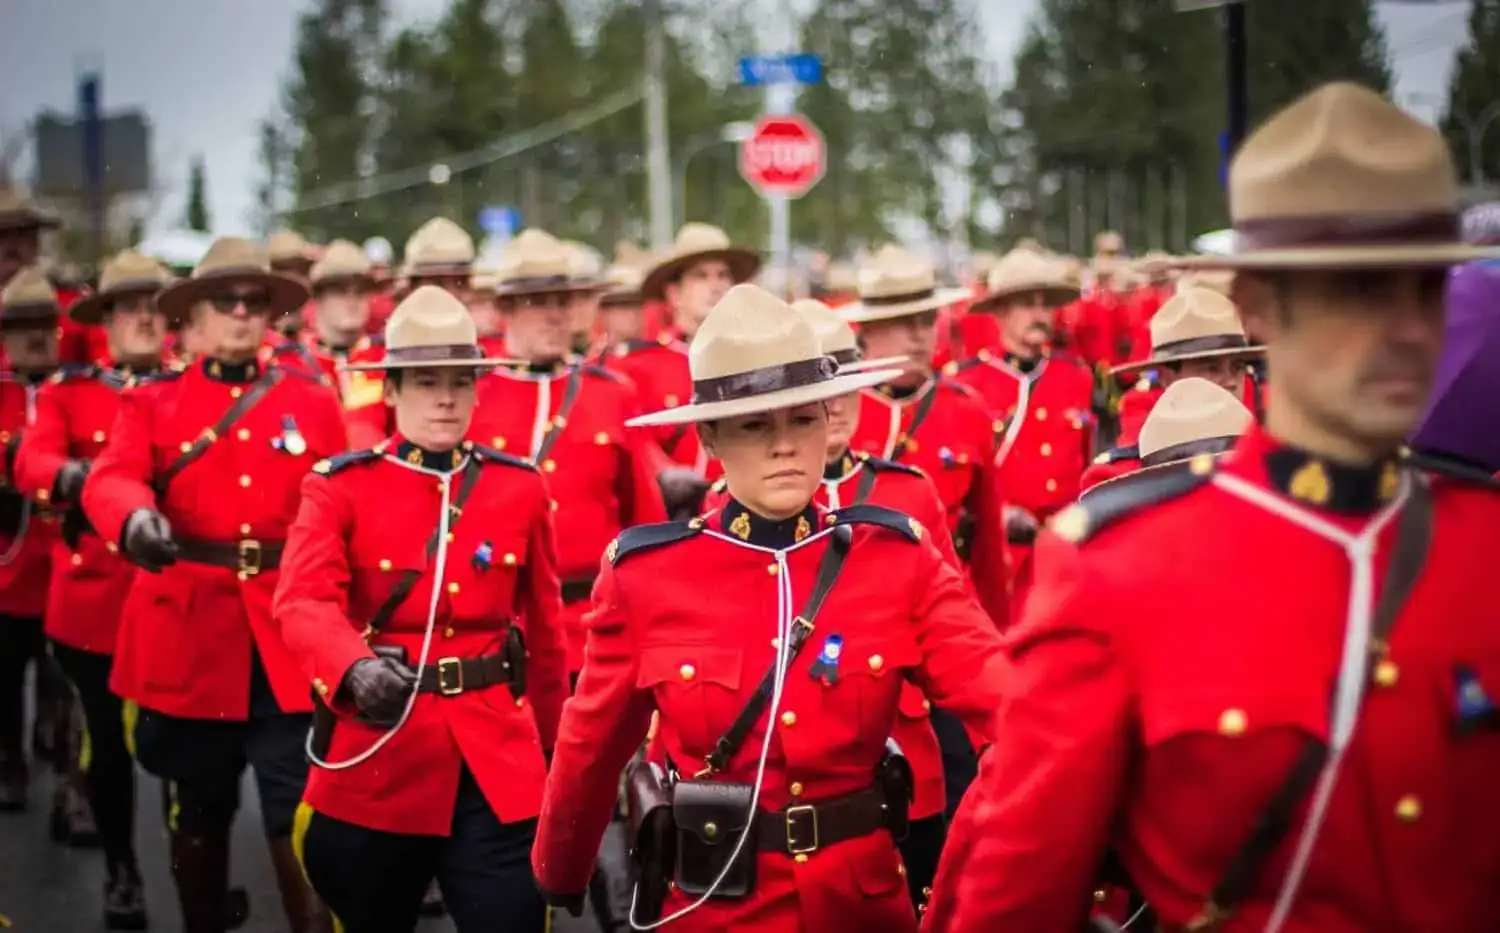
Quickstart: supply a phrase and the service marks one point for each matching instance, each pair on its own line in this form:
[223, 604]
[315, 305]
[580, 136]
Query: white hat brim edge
[1412, 255]
[1254, 349]
[884, 362]
[484, 363]
[860, 313]
[842, 384]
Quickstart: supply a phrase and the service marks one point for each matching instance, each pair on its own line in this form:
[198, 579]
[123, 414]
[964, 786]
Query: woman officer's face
[773, 461]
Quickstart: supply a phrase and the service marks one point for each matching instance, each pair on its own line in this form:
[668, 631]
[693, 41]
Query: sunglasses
[254, 302]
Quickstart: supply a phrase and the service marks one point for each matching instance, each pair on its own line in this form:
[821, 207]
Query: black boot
[124, 899]
[72, 820]
[13, 782]
[432, 902]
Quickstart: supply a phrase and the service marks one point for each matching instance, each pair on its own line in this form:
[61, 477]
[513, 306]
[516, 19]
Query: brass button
[453, 589]
[796, 789]
[549, 465]
[498, 443]
[1100, 895]
[111, 547]
[926, 706]
[77, 560]
[320, 686]
[185, 446]
[452, 537]
[1386, 674]
[1232, 722]
[601, 438]
[385, 564]
[687, 671]
[552, 504]
[244, 528]
[776, 643]
[236, 392]
[788, 718]
[1041, 414]
[509, 560]
[901, 869]
[449, 632]
[771, 569]
[244, 480]
[99, 437]
[710, 829]
[1409, 809]
[1052, 485]
[876, 662]
[243, 434]
[671, 400]
[559, 422]
[800, 858]
[520, 702]
[43, 495]
[1046, 450]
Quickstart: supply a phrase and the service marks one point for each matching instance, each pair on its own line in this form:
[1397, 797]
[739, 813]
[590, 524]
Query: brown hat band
[537, 283]
[620, 299]
[764, 381]
[439, 354]
[901, 299]
[131, 287]
[1344, 230]
[1206, 445]
[1201, 345]
[846, 357]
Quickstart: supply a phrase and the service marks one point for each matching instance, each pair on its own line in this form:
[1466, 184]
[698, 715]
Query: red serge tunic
[1165, 737]
[499, 569]
[694, 646]
[26, 544]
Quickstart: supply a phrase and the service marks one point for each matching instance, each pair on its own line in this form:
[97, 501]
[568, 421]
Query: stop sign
[784, 157]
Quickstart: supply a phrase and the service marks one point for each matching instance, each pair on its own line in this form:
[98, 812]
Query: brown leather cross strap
[924, 408]
[805, 828]
[451, 676]
[1413, 536]
[560, 420]
[204, 441]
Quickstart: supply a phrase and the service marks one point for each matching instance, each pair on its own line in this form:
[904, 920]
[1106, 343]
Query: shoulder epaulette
[1107, 503]
[954, 367]
[1116, 454]
[1069, 357]
[647, 537]
[343, 460]
[1439, 465]
[882, 465]
[160, 375]
[866, 514]
[593, 369]
[69, 372]
[959, 387]
[491, 455]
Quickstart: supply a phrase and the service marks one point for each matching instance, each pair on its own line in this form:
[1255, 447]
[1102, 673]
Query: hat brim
[1394, 255]
[858, 312]
[91, 309]
[841, 384]
[29, 218]
[580, 287]
[1143, 471]
[339, 278]
[287, 293]
[884, 362]
[32, 315]
[1054, 294]
[1252, 350]
[382, 365]
[743, 264]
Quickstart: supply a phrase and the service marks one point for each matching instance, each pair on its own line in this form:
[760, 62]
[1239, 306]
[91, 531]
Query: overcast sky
[206, 70]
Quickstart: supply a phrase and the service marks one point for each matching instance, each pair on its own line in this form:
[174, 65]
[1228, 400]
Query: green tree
[1295, 46]
[1472, 121]
[196, 215]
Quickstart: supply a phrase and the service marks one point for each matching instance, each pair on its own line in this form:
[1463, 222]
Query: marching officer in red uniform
[620, 318]
[800, 671]
[1039, 399]
[28, 328]
[424, 626]
[567, 417]
[1321, 756]
[198, 484]
[929, 421]
[852, 479]
[690, 279]
[75, 413]
[292, 255]
[1197, 334]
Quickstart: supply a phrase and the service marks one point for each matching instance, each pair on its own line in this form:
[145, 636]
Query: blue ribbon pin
[826, 666]
[1474, 706]
[484, 556]
[290, 439]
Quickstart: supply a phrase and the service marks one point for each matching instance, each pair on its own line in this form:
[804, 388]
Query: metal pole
[1236, 78]
[658, 165]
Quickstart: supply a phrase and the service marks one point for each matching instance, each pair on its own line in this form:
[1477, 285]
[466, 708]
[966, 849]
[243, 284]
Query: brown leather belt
[451, 676]
[578, 590]
[805, 828]
[249, 557]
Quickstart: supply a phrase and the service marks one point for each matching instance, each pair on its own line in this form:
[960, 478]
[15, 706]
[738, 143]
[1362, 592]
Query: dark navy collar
[1356, 489]
[438, 461]
[840, 467]
[740, 523]
[552, 368]
[901, 393]
[220, 371]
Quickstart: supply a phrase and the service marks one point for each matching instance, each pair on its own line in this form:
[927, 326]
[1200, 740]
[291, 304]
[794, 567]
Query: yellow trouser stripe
[301, 820]
[174, 809]
[129, 714]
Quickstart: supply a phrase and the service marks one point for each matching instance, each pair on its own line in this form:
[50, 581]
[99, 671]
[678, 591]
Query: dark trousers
[106, 762]
[920, 851]
[960, 762]
[373, 881]
[21, 642]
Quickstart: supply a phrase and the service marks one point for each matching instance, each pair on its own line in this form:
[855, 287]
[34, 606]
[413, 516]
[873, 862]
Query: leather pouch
[711, 816]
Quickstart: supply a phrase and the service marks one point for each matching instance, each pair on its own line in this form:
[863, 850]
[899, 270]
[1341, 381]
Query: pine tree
[1295, 46]
[196, 215]
[1472, 121]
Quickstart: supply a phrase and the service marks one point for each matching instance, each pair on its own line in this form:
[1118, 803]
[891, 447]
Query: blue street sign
[500, 221]
[796, 68]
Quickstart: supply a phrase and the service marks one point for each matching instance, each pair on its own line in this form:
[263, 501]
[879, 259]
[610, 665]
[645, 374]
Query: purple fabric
[1463, 417]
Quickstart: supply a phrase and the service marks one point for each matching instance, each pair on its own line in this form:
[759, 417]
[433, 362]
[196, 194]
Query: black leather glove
[572, 903]
[1020, 525]
[682, 491]
[148, 540]
[379, 687]
[69, 482]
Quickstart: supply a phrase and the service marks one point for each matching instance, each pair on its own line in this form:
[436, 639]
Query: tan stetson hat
[896, 283]
[1154, 262]
[19, 212]
[753, 353]
[1194, 324]
[342, 261]
[982, 263]
[128, 273]
[1219, 280]
[622, 286]
[288, 248]
[584, 260]
[695, 243]
[28, 301]
[632, 254]
[438, 247]
[1024, 272]
[1343, 179]
[838, 339]
[431, 328]
[232, 261]
[841, 278]
[537, 263]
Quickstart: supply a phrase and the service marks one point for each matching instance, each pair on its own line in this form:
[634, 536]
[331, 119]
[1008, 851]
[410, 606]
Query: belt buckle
[794, 818]
[248, 561]
[450, 677]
